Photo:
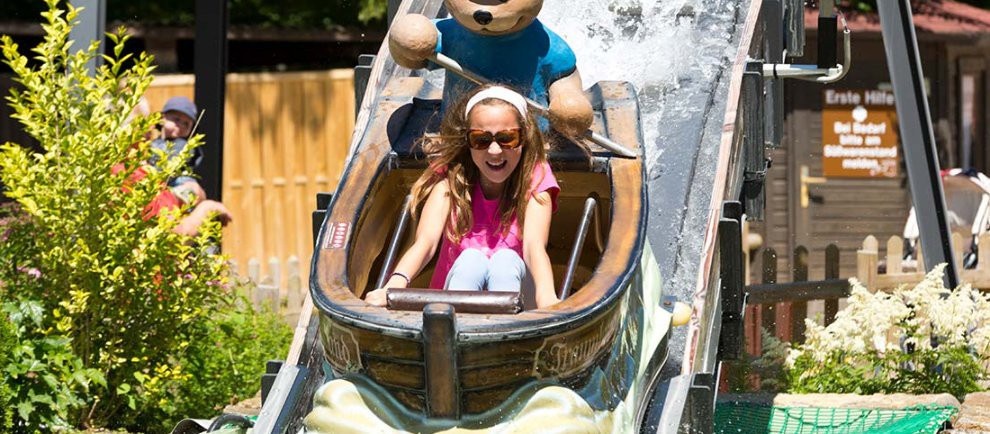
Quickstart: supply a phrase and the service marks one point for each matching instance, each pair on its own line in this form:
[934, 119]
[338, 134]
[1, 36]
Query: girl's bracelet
[396, 273]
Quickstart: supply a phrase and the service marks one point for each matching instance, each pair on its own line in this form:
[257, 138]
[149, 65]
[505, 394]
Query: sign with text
[859, 134]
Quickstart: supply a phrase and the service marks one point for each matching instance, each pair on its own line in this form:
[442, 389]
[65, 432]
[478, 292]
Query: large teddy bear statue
[502, 41]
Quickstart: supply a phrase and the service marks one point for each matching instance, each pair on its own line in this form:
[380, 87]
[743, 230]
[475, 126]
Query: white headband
[497, 92]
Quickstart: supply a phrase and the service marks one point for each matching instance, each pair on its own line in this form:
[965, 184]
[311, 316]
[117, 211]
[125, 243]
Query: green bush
[49, 383]
[123, 292]
[8, 339]
[922, 339]
[225, 364]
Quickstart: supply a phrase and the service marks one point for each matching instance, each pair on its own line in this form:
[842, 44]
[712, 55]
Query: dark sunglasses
[481, 139]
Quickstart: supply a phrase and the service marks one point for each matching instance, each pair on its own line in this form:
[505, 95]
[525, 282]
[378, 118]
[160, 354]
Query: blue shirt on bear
[529, 60]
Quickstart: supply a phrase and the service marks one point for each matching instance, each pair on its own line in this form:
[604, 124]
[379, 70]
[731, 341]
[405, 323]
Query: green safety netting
[745, 417]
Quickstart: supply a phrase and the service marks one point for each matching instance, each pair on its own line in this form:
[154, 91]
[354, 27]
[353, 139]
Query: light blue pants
[473, 270]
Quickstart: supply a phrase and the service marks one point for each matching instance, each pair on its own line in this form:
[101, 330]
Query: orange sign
[859, 134]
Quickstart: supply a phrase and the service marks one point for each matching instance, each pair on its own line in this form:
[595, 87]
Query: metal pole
[210, 65]
[917, 138]
[92, 26]
[826, 34]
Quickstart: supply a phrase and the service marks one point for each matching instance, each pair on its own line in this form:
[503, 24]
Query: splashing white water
[655, 45]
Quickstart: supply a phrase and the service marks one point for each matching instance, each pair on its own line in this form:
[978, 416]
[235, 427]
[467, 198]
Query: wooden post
[958, 251]
[794, 313]
[754, 313]
[439, 345]
[275, 274]
[295, 294]
[831, 272]
[981, 278]
[769, 276]
[895, 255]
[866, 262]
[254, 270]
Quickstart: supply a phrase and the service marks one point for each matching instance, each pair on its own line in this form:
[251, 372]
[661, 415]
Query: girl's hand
[546, 298]
[377, 297]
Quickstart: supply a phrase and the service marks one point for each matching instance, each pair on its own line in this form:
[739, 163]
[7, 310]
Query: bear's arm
[560, 61]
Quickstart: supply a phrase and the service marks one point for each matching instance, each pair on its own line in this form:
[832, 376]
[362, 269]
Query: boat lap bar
[439, 344]
[393, 245]
[486, 302]
[590, 206]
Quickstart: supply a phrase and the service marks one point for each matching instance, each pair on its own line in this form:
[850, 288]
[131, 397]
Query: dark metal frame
[731, 281]
[92, 25]
[917, 136]
[754, 142]
[210, 66]
[393, 245]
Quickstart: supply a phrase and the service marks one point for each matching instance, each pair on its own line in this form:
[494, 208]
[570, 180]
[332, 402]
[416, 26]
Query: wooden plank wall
[849, 209]
[286, 138]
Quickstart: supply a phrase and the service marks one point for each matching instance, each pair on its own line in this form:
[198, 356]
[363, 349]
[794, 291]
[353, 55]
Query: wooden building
[811, 205]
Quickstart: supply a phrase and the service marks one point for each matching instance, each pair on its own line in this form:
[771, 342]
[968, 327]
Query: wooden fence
[901, 272]
[781, 308]
[265, 291]
[285, 139]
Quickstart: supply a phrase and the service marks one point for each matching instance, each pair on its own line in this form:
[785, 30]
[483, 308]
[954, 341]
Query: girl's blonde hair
[450, 158]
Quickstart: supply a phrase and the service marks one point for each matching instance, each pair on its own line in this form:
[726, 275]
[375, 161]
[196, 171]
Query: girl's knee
[506, 271]
[472, 255]
[507, 258]
[468, 271]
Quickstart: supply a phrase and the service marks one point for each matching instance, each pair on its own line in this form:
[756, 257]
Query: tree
[293, 14]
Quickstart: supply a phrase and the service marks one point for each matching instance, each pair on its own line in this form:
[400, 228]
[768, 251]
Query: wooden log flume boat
[451, 357]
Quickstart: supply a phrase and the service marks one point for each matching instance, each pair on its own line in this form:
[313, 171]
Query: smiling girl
[486, 202]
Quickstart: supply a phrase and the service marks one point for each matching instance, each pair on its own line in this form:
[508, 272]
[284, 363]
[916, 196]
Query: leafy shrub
[125, 293]
[925, 339]
[225, 364]
[48, 381]
[8, 339]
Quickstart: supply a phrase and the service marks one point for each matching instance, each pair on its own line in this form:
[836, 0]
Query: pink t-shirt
[484, 235]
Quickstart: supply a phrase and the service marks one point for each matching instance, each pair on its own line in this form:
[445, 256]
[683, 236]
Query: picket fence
[265, 290]
[908, 272]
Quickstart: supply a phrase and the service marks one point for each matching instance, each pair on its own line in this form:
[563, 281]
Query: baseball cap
[182, 105]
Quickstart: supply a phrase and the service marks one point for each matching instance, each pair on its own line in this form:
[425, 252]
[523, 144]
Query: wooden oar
[598, 139]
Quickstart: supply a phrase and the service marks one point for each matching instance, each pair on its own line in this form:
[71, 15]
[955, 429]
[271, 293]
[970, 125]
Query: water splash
[676, 53]
[655, 45]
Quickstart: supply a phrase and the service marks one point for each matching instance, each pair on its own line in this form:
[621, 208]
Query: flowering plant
[925, 339]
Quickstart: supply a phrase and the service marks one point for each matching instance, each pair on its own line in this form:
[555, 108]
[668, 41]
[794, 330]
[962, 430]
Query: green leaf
[24, 409]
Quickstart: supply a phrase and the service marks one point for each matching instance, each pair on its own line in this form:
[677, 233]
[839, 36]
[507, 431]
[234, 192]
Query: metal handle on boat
[590, 204]
[393, 246]
[598, 139]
